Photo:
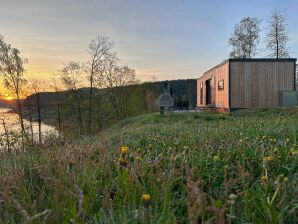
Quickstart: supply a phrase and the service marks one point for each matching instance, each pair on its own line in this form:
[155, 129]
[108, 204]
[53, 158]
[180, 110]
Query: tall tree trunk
[39, 117]
[6, 135]
[30, 120]
[58, 113]
[90, 101]
[79, 110]
[21, 115]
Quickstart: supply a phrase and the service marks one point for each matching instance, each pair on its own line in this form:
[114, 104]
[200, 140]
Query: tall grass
[185, 168]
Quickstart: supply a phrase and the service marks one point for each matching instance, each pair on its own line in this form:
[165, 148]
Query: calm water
[12, 123]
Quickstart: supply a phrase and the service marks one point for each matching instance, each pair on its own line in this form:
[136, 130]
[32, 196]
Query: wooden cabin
[242, 83]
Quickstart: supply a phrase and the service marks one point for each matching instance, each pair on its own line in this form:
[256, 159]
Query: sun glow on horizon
[8, 98]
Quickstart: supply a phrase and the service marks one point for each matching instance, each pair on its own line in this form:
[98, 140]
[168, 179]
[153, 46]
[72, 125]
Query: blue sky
[165, 39]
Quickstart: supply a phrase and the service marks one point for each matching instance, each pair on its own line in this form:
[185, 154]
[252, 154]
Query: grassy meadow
[185, 168]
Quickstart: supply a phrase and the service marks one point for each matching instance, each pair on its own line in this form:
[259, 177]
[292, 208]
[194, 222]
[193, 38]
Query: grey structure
[165, 100]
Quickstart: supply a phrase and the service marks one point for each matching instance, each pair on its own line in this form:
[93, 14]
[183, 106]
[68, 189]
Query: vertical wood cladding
[220, 98]
[255, 84]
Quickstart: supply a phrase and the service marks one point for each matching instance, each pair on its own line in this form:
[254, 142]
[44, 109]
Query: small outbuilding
[242, 83]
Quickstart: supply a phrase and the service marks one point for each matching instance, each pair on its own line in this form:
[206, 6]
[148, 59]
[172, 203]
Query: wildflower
[268, 158]
[264, 178]
[275, 150]
[240, 141]
[124, 150]
[285, 179]
[146, 199]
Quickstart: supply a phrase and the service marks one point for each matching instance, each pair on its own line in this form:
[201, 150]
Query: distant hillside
[3, 105]
[142, 100]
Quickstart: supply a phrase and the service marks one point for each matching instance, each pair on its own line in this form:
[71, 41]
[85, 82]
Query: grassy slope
[191, 165]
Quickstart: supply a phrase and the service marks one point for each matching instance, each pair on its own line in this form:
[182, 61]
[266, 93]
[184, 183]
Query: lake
[12, 123]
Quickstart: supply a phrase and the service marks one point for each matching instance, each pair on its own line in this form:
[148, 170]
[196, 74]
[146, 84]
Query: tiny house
[242, 83]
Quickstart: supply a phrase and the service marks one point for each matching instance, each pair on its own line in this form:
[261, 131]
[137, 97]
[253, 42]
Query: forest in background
[140, 99]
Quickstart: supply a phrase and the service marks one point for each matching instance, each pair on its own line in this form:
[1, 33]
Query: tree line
[246, 36]
[88, 95]
[100, 70]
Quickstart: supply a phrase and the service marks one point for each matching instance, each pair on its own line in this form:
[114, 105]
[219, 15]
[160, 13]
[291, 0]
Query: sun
[8, 98]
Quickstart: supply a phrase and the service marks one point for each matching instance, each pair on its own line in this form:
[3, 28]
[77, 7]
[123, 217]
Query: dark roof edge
[261, 59]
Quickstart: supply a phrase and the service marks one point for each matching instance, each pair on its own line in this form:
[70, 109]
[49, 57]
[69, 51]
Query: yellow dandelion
[124, 150]
[268, 158]
[146, 198]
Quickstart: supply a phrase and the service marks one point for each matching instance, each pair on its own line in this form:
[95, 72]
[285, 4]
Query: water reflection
[12, 123]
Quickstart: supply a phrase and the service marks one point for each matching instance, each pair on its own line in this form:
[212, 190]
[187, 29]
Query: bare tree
[245, 38]
[37, 87]
[56, 89]
[6, 133]
[71, 76]
[29, 109]
[100, 50]
[277, 35]
[117, 80]
[12, 71]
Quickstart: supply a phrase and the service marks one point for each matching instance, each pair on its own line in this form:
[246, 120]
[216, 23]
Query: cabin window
[220, 84]
[201, 93]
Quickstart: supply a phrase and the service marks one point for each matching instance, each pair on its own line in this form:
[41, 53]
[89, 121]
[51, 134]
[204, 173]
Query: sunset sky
[165, 39]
